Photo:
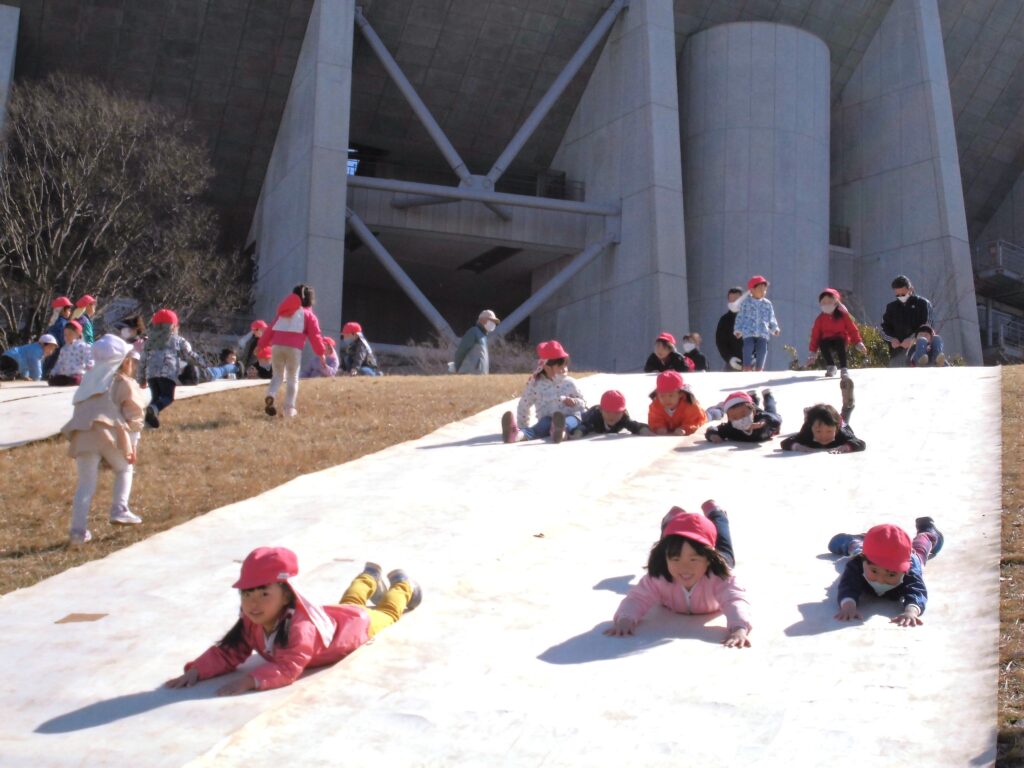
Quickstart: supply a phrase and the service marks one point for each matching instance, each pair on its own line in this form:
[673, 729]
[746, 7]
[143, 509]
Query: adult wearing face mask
[902, 318]
[472, 355]
[729, 347]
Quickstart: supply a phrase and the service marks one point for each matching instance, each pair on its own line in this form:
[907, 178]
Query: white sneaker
[290, 413]
[125, 517]
[80, 537]
[830, 371]
[735, 364]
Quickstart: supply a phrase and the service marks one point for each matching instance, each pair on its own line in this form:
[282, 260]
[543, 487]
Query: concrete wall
[299, 225]
[623, 142]
[755, 100]
[1008, 221]
[9, 18]
[896, 174]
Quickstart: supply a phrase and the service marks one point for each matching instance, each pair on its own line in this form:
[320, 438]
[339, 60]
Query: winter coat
[357, 354]
[292, 327]
[710, 594]
[728, 345]
[322, 369]
[74, 359]
[726, 431]
[305, 648]
[673, 362]
[834, 325]
[57, 330]
[544, 396]
[901, 321]
[687, 416]
[853, 585]
[593, 422]
[106, 419]
[88, 332]
[700, 362]
[165, 353]
[844, 436]
[472, 356]
[756, 319]
[29, 359]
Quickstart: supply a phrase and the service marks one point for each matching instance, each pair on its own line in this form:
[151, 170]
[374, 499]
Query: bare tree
[103, 194]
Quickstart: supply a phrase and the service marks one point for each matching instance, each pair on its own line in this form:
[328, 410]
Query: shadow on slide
[477, 440]
[118, 708]
[659, 627]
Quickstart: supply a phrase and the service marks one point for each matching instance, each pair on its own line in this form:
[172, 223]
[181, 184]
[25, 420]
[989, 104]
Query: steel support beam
[540, 111]
[396, 271]
[480, 196]
[579, 261]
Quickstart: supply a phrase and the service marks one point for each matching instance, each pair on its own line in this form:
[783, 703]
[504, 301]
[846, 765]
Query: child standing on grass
[690, 571]
[105, 425]
[291, 633]
[832, 332]
[674, 410]
[755, 324]
[747, 423]
[294, 324]
[85, 308]
[610, 417]
[162, 357]
[886, 562]
[551, 394]
[74, 359]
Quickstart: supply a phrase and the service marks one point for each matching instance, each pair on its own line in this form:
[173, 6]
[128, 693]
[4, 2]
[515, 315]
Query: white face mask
[827, 308]
[881, 589]
[126, 333]
[744, 424]
[489, 326]
[689, 346]
[903, 299]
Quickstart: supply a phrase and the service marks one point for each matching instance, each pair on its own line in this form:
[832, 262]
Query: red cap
[755, 281]
[551, 350]
[60, 302]
[328, 341]
[85, 301]
[164, 316]
[258, 325]
[74, 325]
[669, 381]
[831, 292]
[737, 398]
[352, 328]
[668, 337]
[267, 565]
[691, 526]
[888, 546]
[613, 401]
[264, 353]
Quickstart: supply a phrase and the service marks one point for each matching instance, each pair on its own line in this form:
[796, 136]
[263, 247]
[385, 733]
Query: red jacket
[306, 647]
[292, 326]
[837, 325]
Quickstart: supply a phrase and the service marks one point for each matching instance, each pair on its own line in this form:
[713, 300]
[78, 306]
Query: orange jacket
[687, 416]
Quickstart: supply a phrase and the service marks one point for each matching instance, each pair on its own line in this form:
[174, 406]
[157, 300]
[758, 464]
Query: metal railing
[999, 255]
[839, 236]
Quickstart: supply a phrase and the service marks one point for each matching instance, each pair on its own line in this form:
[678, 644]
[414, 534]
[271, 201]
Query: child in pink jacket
[689, 571]
[287, 335]
[291, 633]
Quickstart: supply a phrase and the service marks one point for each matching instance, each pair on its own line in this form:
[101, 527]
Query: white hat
[108, 352]
[488, 314]
[47, 339]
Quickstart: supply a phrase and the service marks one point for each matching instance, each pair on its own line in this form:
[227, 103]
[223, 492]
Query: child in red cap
[247, 357]
[674, 410]
[610, 417]
[323, 369]
[665, 357]
[357, 358]
[290, 632]
[884, 561]
[551, 394]
[832, 331]
[746, 421]
[85, 308]
[74, 360]
[164, 355]
[755, 324]
[689, 570]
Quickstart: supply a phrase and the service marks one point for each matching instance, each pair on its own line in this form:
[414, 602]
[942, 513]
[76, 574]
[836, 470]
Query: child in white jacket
[554, 396]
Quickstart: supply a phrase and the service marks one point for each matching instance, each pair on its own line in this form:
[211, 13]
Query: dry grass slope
[1011, 611]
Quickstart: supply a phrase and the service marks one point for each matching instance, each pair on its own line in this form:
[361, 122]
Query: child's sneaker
[846, 544]
[922, 361]
[509, 428]
[290, 413]
[755, 397]
[397, 576]
[80, 537]
[940, 359]
[669, 515]
[843, 373]
[830, 372]
[735, 364]
[268, 406]
[124, 517]
[152, 416]
[558, 427]
[373, 570]
[927, 525]
[710, 506]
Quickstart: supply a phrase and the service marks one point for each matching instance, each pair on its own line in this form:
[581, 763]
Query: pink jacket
[305, 648]
[292, 326]
[709, 595]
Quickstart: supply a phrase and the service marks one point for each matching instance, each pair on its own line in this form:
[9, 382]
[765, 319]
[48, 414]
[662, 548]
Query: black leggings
[832, 349]
[8, 368]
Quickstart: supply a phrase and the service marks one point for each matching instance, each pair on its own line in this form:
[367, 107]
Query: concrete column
[623, 142]
[755, 98]
[896, 174]
[9, 18]
[299, 224]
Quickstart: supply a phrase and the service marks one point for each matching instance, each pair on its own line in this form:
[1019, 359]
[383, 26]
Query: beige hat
[488, 314]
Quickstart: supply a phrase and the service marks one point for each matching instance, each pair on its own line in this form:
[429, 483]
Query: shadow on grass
[15, 554]
[205, 426]
[659, 627]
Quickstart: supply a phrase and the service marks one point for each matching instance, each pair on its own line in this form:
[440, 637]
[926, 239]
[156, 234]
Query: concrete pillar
[9, 18]
[755, 100]
[299, 224]
[896, 174]
[623, 143]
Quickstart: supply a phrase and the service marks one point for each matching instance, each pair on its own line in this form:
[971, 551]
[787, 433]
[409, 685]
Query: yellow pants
[388, 611]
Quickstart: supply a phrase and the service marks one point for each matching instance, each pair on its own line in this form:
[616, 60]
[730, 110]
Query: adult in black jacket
[902, 319]
[729, 347]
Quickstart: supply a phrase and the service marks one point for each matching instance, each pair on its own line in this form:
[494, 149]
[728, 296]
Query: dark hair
[137, 322]
[671, 546]
[663, 342]
[305, 293]
[824, 413]
[224, 354]
[235, 636]
[734, 289]
[902, 281]
[926, 329]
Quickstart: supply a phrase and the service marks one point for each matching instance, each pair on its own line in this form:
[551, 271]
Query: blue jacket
[852, 584]
[57, 330]
[29, 359]
[756, 318]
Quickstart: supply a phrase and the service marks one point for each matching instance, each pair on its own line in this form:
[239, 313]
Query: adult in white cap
[472, 355]
[26, 362]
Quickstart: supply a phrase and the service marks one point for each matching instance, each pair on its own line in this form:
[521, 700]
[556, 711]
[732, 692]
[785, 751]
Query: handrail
[1001, 255]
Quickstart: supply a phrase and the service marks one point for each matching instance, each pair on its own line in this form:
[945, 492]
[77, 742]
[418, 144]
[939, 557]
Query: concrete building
[594, 170]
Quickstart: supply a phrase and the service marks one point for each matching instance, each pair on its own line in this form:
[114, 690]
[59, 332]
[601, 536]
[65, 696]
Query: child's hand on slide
[187, 680]
[910, 617]
[620, 628]
[848, 611]
[737, 639]
[241, 685]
